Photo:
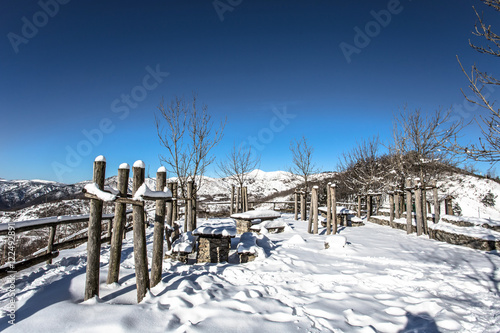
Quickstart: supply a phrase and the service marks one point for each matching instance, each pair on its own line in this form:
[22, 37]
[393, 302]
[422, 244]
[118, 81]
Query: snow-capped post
[140, 254]
[188, 216]
[418, 206]
[50, 244]
[295, 205]
[359, 206]
[314, 203]
[436, 201]
[302, 205]
[328, 209]
[408, 206]
[159, 229]
[391, 208]
[231, 206]
[333, 195]
[118, 225]
[94, 233]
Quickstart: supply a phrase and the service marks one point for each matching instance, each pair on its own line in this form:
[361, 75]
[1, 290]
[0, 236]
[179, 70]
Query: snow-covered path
[382, 281]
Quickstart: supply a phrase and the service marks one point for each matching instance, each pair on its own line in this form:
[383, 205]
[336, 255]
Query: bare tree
[482, 85]
[187, 132]
[238, 164]
[363, 167]
[419, 143]
[302, 160]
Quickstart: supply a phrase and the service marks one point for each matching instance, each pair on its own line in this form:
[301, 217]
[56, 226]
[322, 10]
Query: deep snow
[382, 280]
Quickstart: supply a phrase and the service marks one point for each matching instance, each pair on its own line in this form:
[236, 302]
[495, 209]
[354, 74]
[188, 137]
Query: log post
[302, 206]
[188, 207]
[368, 207]
[418, 206]
[408, 206]
[194, 207]
[140, 252]
[159, 229]
[296, 205]
[397, 204]
[238, 195]
[231, 207]
[310, 217]
[436, 201]
[359, 205]
[118, 225]
[175, 205]
[245, 198]
[94, 233]
[391, 209]
[328, 209]
[333, 195]
[169, 218]
[50, 244]
[424, 208]
[314, 201]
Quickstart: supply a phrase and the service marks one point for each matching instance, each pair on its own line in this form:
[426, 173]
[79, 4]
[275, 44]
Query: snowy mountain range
[26, 199]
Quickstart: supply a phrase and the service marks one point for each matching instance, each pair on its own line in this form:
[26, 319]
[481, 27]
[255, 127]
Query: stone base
[243, 226]
[213, 250]
[247, 257]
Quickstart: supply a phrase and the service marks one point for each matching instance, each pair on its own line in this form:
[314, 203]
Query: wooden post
[359, 205]
[418, 206]
[310, 217]
[169, 218]
[302, 206]
[194, 207]
[328, 209]
[314, 201]
[118, 226]
[50, 244]
[159, 229]
[175, 205]
[333, 195]
[94, 233]
[188, 216]
[424, 208]
[238, 195]
[296, 205]
[368, 206]
[140, 252]
[231, 207]
[448, 205]
[245, 198]
[397, 211]
[436, 201]
[408, 207]
[391, 209]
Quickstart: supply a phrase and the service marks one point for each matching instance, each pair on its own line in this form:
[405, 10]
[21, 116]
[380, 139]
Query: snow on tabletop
[257, 214]
[144, 191]
[124, 166]
[222, 227]
[184, 243]
[268, 225]
[104, 196]
[340, 210]
[162, 169]
[100, 158]
[248, 244]
[139, 164]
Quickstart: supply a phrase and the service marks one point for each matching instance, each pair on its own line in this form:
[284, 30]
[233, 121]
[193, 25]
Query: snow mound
[335, 242]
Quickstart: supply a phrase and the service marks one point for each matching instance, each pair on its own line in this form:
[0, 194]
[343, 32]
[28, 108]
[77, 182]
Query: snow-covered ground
[381, 281]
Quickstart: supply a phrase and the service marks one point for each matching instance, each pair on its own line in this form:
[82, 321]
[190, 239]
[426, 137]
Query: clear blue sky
[63, 74]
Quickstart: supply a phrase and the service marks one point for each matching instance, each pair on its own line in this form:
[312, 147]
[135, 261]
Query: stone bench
[244, 221]
[214, 241]
[182, 247]
[247, 248]
[269, 226]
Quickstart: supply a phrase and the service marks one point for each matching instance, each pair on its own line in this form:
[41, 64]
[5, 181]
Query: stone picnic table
[344, 216]
[244, 221]
[214, 241]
